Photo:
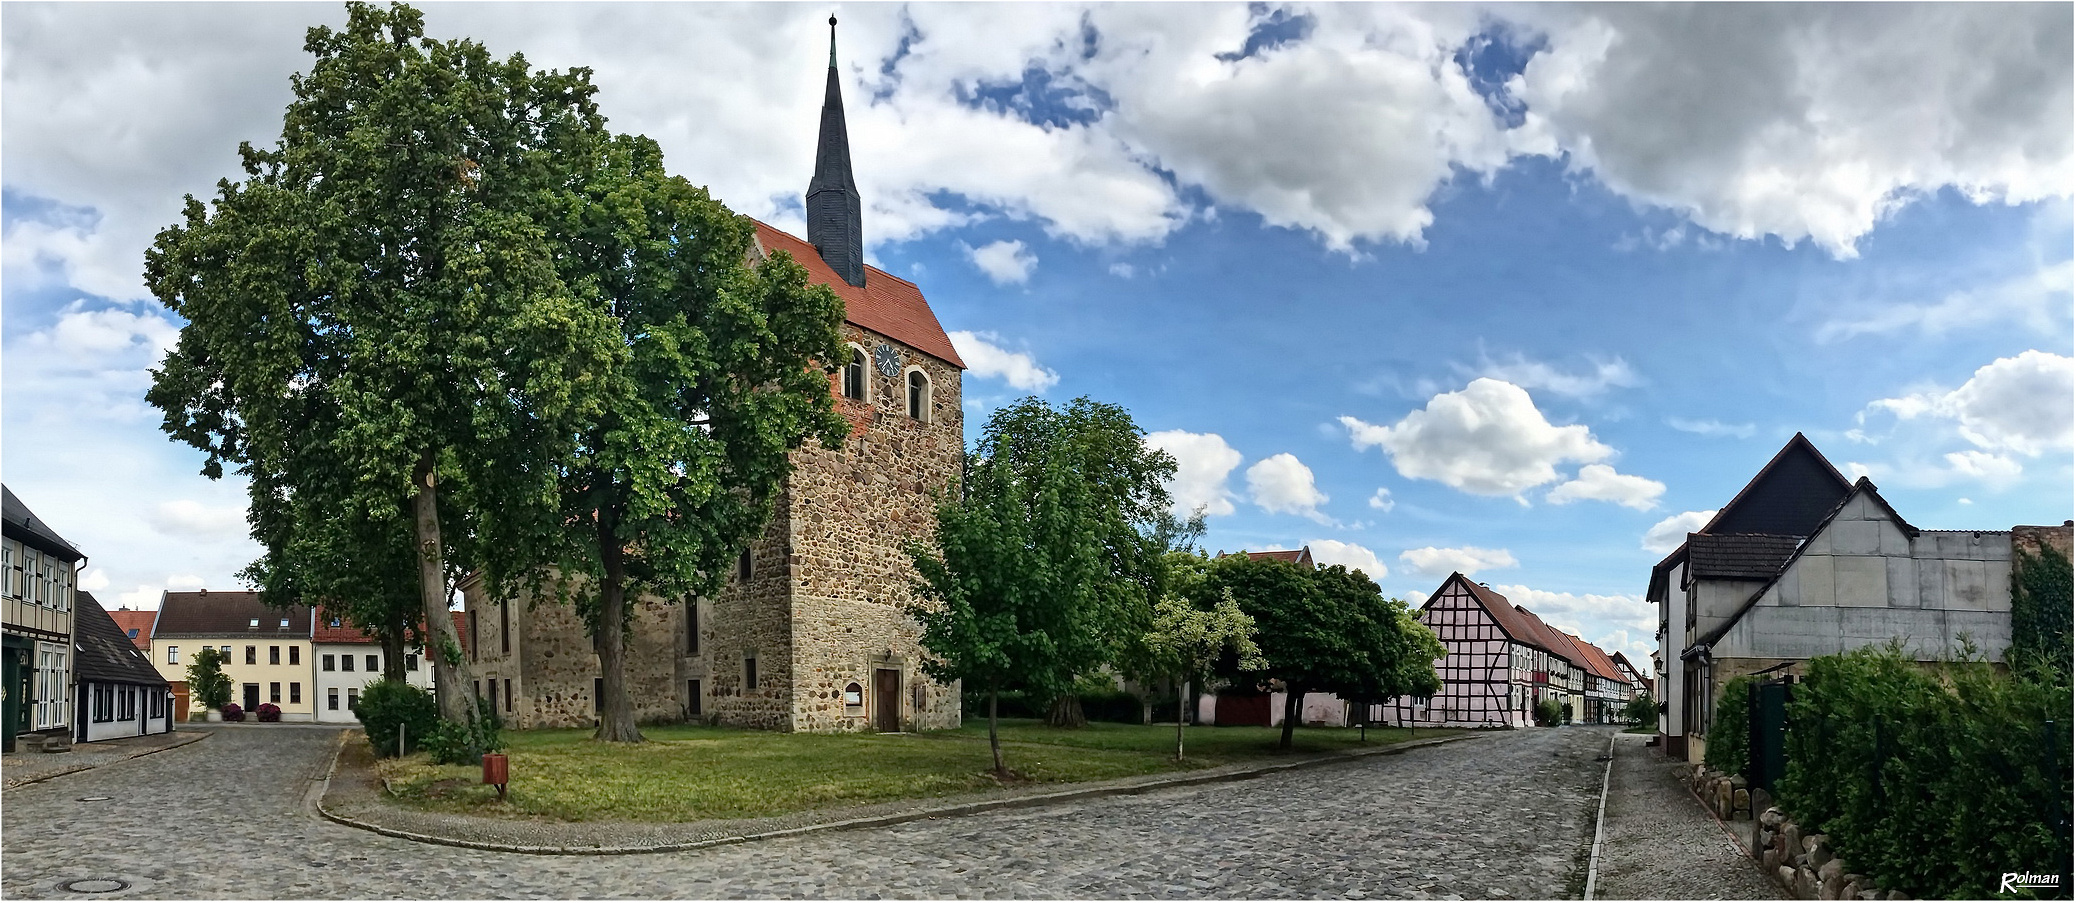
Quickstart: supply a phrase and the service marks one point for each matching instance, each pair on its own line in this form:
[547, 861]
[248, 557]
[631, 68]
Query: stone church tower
[809, 633]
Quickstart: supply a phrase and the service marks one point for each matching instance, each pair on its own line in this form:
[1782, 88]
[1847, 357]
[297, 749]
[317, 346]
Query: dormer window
[918, 396]
[284, 623]
[335, 622]
[253, 624]
[854, 374]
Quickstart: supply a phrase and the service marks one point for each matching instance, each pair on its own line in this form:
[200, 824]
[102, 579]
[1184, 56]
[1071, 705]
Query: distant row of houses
[1502, 661]
[77, 672]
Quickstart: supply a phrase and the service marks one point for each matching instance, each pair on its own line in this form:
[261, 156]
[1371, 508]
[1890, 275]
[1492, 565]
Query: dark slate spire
[833, 223]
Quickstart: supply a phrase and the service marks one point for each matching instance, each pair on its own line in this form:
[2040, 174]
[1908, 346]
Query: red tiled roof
[887, 304]
[346, 632]
[139, 621]
[1302, 555]
[1499, 608]
[1596, 658]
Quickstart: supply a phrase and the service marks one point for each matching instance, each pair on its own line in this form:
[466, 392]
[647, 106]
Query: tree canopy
[377, 326]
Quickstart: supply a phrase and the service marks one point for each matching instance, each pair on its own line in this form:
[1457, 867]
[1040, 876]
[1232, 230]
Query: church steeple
[833, 222]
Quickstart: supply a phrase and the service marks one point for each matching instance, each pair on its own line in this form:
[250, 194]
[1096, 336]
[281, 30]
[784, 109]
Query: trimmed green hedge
[1934, 780]
[1730, 736]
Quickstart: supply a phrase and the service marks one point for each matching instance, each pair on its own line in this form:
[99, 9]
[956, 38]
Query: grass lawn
[689, 773]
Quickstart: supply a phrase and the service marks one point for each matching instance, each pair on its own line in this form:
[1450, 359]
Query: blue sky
[1522, 291]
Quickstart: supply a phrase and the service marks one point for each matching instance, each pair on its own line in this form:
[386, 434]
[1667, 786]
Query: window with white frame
[172, 655]
[854, 374]
[919, 396]
[8, 571]
[53, 683]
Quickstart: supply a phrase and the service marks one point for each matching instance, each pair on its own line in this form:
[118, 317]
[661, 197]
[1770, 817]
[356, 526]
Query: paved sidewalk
[1660, 844]
[23, 767]
[354, 796]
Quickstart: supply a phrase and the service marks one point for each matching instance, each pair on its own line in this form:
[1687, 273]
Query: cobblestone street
[1499, 815]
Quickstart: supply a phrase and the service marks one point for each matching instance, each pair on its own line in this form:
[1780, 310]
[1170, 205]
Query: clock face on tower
[887, 359]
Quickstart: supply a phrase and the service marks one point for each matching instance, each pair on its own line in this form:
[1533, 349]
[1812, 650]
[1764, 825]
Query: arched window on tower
[918, 396]
[854, 374]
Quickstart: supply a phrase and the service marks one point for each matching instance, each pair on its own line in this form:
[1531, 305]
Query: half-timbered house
[1501, 661]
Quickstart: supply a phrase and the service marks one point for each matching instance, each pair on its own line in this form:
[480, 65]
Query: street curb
[199, 737]
[1600, 818]
[1030, 801]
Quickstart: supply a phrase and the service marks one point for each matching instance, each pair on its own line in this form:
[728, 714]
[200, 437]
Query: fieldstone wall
[821, 610]
[850, 512]
[1806, 867]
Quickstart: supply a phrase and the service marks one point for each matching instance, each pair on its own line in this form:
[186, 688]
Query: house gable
[1789, 496]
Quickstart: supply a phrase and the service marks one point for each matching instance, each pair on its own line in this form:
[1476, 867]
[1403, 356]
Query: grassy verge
[1641, 729]
[691, 773]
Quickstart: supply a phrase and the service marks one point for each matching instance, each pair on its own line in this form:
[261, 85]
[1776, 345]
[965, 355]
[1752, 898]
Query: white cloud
[1349, 555]
[1804, 121]
[1282, 484]
[1711, 427]
[1600, 482]
[984, 358]
[1203, 462]
[2036, 300]
[94, 579]
[1530, 374]
[1576, 612]
[1004, 262]
[186, 517]
[1666, 535]
[1382, 500]
[2023, 404]
[1467, 560]
[1487, 438]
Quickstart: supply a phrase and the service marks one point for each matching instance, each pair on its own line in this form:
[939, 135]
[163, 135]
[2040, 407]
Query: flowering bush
[233, 712]
[268, 712]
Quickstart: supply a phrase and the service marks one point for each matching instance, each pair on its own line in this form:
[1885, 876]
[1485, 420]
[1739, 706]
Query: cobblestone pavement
[1659, 843]
[22, 766]
[1500, 815]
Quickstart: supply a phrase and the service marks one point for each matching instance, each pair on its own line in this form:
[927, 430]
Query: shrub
[1932, 779]
[389, 706]
[268, 712]
[1730, 736]
[207, 683]
[464, 743]
[233, 712]
[1641, 710]
[1116, 706]
[1548, 712]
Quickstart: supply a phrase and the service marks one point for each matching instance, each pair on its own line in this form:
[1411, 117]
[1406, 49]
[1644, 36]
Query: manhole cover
[99, 886]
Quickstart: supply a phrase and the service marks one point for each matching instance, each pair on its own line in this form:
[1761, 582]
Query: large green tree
[378, 303]
[1123, 481]
[1009, 593]
[1324, 630]
[726, 371]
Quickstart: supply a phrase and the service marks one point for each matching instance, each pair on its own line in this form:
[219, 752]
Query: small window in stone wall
[853, 697]
[749, 673]
[742, 566]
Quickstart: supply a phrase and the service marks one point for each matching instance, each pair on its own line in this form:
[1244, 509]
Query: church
[809, 633]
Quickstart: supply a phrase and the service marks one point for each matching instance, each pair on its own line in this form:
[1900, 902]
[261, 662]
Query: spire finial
[832, 42]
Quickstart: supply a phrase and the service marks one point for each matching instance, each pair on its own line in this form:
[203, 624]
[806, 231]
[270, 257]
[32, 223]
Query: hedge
[1729, 736]
[1934, 780]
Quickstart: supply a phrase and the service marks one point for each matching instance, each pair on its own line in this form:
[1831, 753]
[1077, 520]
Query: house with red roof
[345, 658]
[1503, 660]
[809, 634]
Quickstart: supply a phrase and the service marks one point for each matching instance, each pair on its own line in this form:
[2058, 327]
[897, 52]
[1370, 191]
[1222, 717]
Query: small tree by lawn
[1187, 641]
[206, 681]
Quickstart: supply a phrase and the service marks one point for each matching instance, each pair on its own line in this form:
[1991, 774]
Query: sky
[1522, 291]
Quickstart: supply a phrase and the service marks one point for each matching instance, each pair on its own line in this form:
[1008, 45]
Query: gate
[1767, 719]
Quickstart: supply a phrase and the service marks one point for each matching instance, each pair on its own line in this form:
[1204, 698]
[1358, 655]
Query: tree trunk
[994, 742]
[451, 677]
[392, 637]
[609, 637]
[1181, 693]
[1293, 703]
[1066, 712]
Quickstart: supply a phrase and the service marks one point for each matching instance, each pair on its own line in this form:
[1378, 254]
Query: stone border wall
[1806, 867]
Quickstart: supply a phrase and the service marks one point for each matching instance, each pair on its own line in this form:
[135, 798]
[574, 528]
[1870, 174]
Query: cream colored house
[267, 650]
